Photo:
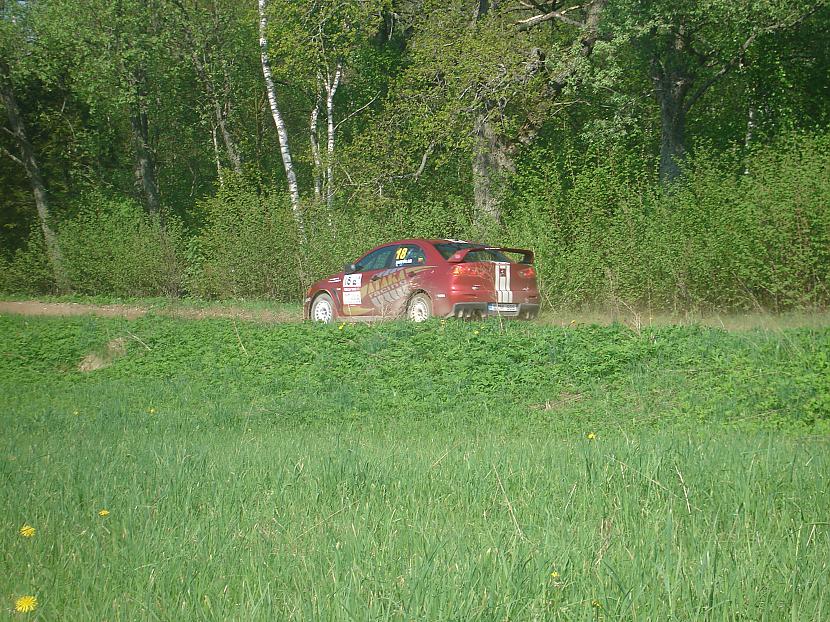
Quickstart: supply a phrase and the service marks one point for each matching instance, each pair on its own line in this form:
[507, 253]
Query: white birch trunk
[315, 148]
[331, 89]
[282, 133]
[216, 156]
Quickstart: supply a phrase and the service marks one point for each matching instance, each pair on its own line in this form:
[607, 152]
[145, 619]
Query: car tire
[419, 308]
[322, 309]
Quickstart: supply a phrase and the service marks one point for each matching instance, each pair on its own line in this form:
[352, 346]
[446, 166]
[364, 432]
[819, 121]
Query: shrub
[248, 246]
[112, 246]
[27, 272]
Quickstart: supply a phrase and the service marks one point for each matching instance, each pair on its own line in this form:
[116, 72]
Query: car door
[388, 290]
[356, 283]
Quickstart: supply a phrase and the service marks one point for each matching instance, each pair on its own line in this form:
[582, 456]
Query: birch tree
[279, 122]
[319, 45]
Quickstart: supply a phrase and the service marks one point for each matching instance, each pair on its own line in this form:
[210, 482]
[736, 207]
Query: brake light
[528, 273]
[464, 270]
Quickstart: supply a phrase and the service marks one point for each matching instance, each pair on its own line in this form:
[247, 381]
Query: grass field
[449, 471]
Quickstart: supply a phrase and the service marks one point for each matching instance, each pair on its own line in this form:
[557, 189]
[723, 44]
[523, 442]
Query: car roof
[428, 240]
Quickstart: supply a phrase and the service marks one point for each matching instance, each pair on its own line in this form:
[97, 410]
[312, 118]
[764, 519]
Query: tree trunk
[216, 157]
[282, 132]
[672, 137]
[331, 89]
[145, 162]
[315, 146]
[672, 85]
[230, 144]
[29, 162]
[491, 163]
[490, 154]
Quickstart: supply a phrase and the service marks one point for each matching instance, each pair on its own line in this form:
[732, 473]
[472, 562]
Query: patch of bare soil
[34, 307]
[94, 360]
[560, 402]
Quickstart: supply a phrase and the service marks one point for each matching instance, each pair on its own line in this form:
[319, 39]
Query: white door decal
[351, 288]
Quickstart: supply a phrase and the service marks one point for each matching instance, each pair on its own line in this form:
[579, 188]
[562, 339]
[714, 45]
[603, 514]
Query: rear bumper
[524, 311]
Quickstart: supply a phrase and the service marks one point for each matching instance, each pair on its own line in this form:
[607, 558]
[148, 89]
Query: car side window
[376, 260]
[409, 255]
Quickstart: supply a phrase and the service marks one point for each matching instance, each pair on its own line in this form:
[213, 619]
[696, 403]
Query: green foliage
[450, 373]
[111, 245]
[737, 240]
[248, 246]
[27, 271]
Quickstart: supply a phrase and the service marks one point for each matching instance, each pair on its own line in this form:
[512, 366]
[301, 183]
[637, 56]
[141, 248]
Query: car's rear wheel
[322, 309]
[419, 308]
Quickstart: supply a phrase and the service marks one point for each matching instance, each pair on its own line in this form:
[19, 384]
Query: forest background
[662, 154]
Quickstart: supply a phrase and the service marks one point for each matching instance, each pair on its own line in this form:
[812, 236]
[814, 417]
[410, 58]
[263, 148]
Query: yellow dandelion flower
[591, 436]
[475, 332]
[554, 575]
[342, 326]
[104, 512]
[27, 531]
[25, 604]
[75, 412]
[151, 411]
[596, 604]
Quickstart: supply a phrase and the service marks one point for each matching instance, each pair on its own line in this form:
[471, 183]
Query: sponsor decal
[351, 289]
[388, 287]
[352, 280]
[352, 297]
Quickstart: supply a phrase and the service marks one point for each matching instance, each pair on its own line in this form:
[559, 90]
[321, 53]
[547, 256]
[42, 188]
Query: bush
[28, 271]
[111, 246]
[720, 239]
[248, 247]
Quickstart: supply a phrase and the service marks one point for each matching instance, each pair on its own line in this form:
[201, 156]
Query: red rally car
[420, 279]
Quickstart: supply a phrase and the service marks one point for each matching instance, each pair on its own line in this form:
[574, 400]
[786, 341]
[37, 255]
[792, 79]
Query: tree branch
[359, 110]
[530, 22]
[8, 153]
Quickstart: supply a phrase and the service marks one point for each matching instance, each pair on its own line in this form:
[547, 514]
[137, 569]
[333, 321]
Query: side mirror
[349, 267]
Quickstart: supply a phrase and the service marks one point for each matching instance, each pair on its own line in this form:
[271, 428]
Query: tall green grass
[400, 472]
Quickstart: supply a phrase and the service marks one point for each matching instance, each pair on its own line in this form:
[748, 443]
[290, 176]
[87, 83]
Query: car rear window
[448, 249]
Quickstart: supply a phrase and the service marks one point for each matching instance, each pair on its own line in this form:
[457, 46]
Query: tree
[496, 72]
[691, 45]
[12, 40]
[211, 35]
[318, 44]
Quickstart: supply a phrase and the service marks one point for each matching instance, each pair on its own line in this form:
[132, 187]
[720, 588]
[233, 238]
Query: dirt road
[130, 312]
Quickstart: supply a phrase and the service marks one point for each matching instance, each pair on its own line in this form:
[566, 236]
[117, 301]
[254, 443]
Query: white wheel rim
[322, 311]
[419, 312]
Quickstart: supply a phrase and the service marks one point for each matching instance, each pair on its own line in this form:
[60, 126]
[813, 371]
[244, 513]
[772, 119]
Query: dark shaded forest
[662, 154]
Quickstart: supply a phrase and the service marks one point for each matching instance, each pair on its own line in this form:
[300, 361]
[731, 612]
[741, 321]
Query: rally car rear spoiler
[459, 256]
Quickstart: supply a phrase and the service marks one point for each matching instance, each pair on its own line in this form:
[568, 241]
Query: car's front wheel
[419, 308]
[322, 309]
